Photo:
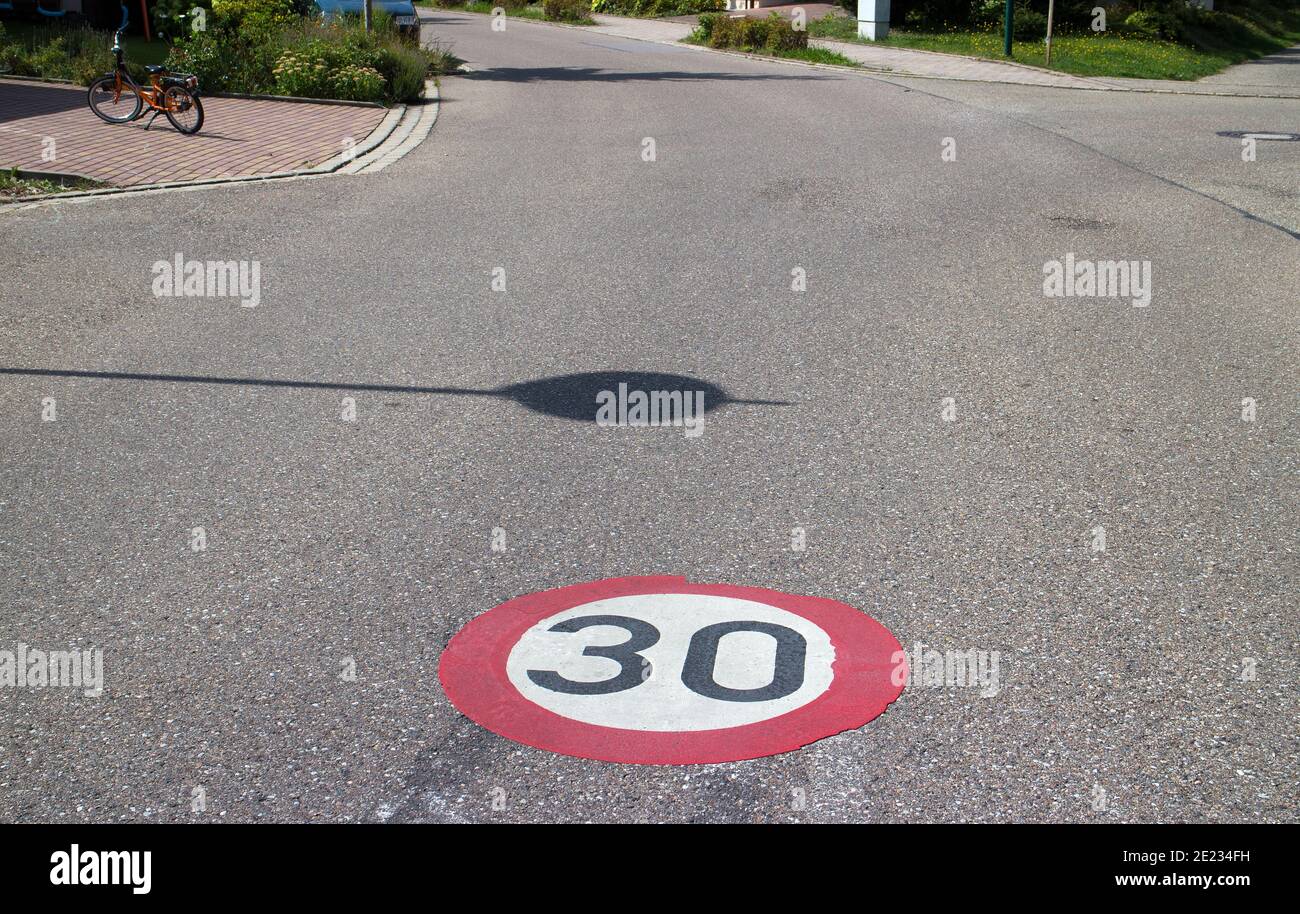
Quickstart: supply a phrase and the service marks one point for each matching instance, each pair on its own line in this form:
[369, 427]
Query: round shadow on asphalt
[573, 396]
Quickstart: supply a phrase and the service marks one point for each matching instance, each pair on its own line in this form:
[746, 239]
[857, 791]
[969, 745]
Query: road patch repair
[47, 129]
[660, 671]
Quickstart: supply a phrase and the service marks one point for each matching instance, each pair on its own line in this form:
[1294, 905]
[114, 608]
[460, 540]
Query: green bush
[1028, 25]
[258, 16]
[704, 28]
[325, 69]
[987, 13]
[946, 15]
[254, 47]
[358, 83]
[1142, 24]
[173, 19]
[566, 10]
[767, 36]
[80, 54]
[227, 61]
[404, 64]
[309, 59]
[51, 60]
[10, 55]
[303, 75]
[207, 55]
[1173, 23]
[656, 8]
[404, 70]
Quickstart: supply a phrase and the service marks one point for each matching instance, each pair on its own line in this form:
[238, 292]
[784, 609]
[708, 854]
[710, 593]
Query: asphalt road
[1122, 691]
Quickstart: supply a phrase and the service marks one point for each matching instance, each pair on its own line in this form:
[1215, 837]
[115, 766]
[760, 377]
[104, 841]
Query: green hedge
[656, 8]
[250, 46]
[566, 10]
[1256, 25]
[57, 52]
[767, 36]
[263, 46]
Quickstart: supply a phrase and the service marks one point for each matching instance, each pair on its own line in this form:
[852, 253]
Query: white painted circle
[661, 702]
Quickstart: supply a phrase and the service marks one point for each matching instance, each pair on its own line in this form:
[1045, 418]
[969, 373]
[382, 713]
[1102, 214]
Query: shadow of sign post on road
[570, 396]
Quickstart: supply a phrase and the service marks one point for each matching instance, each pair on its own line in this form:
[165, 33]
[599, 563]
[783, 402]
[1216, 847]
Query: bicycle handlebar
[117, 36]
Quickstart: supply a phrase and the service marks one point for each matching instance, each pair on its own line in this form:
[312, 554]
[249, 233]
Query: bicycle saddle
[154, 68]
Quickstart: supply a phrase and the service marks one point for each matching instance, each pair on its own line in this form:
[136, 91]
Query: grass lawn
[1083, 54]
[144, 52]
[819, 55]
[810, 55]
[14, 188]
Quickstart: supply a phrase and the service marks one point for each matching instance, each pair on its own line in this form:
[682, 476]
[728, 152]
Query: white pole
[1051, 7]
[873, 19]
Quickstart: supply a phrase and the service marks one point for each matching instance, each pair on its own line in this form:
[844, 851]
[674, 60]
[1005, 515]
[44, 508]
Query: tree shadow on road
[1290, 55]
[20, 100]
[569, 396]
[599, 74]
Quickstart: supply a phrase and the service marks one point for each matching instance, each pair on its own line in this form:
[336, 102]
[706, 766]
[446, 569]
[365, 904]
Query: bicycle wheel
[112, 101]
[183, 110]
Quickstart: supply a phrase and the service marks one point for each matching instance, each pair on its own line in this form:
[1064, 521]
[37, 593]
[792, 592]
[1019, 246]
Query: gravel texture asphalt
[1154, 681]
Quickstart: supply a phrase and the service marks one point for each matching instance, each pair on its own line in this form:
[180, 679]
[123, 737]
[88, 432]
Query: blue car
[402, 12]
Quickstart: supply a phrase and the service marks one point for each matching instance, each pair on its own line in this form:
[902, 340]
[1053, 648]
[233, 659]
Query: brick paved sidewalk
[240, 137]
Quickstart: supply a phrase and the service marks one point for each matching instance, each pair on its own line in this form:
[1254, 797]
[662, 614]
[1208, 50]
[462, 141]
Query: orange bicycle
[119, 99]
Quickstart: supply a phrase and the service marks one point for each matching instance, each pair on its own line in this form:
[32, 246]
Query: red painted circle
[867, 675]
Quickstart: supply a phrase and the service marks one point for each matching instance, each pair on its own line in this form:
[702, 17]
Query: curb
[39, 79]
[51, 176]
[294, 98]
[377, 138]
[405, 137]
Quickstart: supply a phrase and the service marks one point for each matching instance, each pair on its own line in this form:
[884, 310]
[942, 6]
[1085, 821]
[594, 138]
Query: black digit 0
[701, 657]
[643, 635]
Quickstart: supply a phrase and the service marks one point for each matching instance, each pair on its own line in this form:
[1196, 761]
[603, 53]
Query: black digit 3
[643, 634]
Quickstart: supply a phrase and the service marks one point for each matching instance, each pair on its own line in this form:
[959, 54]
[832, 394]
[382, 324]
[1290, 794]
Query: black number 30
[697, 669]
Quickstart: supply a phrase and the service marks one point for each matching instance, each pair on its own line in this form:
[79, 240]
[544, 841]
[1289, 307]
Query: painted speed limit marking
[672, 662]
[656, 670]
